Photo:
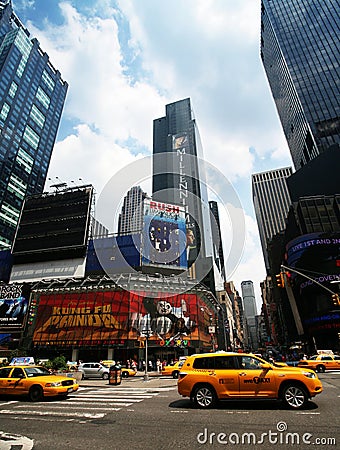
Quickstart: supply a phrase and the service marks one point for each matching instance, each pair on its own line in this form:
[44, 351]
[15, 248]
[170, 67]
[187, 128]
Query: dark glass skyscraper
[179, 179]
[300, 54]
[32, 96]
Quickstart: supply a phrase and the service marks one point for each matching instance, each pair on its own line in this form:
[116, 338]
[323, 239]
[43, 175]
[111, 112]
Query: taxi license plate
[70, 390]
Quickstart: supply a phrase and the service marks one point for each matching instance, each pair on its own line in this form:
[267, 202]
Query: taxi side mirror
[266, 366]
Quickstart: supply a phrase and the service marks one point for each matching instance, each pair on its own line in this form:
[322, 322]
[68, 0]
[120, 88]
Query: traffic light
[288, 278]
[280, 281]
[32, 312]
[336, 299]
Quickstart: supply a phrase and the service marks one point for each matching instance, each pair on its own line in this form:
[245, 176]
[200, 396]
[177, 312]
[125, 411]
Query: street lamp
[146, 332]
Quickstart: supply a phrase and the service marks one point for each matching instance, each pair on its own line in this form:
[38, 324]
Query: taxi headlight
[54, 384]
[309, 374]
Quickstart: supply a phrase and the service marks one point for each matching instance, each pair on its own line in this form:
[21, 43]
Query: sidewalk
[155, 380]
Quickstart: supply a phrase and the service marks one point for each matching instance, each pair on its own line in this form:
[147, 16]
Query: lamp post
[146, 332]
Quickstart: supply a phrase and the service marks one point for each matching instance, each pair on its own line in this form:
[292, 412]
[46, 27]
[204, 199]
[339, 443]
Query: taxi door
[329, 362]
[226, 376]
[253, 380]
[4, 373]
[16, 382]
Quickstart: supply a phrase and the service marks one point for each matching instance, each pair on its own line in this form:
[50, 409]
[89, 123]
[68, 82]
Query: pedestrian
[159, 366]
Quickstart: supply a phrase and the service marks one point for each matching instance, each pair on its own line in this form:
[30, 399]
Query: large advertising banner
[164, 235]
[316, 255]
[111, 317]
[13, 306]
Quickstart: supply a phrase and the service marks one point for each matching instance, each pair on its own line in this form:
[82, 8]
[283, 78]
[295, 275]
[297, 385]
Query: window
[224, 362]
[17, 373]
[250, 363]
[203, 363]
[5, 372]
[43, 97]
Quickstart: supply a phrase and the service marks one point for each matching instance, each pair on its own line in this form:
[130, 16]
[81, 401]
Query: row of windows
[31, 137]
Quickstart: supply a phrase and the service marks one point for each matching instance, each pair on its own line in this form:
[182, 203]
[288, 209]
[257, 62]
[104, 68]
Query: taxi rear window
[215, 363]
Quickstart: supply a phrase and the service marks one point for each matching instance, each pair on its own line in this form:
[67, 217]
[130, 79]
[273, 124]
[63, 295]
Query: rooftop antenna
[58, 186]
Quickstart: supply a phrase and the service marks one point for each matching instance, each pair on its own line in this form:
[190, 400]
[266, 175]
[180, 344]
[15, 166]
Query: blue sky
[125, 60]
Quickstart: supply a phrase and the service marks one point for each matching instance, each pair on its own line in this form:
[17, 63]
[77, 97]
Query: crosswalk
[85, 405]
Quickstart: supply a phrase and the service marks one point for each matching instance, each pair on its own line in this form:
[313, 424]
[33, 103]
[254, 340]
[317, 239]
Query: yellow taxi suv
[36, 382]
[208, 377]
[321, 363]
[172, 370]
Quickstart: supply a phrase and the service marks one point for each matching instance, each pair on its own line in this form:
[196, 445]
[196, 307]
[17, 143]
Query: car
[209, 377]
[108, 362]
[93, 370]
[173, 369]
[34, 381]
[127, 372]
[321, 363]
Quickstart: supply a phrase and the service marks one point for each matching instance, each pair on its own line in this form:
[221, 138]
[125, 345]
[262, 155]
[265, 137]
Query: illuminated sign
[13, 306]
[164, 235]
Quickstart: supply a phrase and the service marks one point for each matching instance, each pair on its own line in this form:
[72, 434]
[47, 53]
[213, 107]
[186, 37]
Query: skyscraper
[32, 95]
[249, 307]
[131, 217]
[271, 203]
[178, 178]
[300, 54]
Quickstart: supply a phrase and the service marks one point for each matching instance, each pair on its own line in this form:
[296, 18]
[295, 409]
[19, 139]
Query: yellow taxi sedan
[208, 377]
[36, 382]
[321, 363]
[172, 370]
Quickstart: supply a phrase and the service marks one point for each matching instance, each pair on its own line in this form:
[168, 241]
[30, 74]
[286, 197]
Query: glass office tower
[32, 96]
[179, 179]
[300, 54]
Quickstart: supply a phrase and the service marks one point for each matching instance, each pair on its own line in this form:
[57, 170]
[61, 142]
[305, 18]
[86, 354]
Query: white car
[93, 370]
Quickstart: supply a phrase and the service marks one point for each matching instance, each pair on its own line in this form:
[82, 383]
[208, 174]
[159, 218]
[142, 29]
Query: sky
[124, 60]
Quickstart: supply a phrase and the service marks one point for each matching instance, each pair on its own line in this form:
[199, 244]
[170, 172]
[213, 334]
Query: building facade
[250, 313]
[32, 95]
[131, 218]
[179, 179]
[271, 201]
[300, 54]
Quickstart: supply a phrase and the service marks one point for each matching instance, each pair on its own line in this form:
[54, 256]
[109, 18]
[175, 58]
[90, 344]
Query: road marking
[51, 413]
[102, 400]
[15, 441]
[306, 413]
[100, 408]
[8, 403]
[180, 411]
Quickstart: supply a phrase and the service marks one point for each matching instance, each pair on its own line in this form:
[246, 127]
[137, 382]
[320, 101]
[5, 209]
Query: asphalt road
[151, 415]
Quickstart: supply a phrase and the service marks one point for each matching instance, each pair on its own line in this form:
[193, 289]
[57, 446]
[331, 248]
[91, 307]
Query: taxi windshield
[36, 371]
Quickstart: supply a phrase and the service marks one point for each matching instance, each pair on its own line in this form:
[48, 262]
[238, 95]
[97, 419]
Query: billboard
[316, 255]
[164, 235]
[112, 317]
[113, 255]
[53, 226]
[13, 306]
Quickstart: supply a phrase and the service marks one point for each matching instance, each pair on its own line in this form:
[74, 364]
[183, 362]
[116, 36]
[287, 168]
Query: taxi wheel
[320, 368]
[125, 374]
[204, 396]
[294, 396]
[105, 376]
[175, 374]
[36, 394]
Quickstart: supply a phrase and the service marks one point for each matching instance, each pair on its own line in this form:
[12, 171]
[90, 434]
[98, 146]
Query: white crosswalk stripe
[84, 405]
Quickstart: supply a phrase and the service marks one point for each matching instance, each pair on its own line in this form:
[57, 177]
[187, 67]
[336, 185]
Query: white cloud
[207, 50]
